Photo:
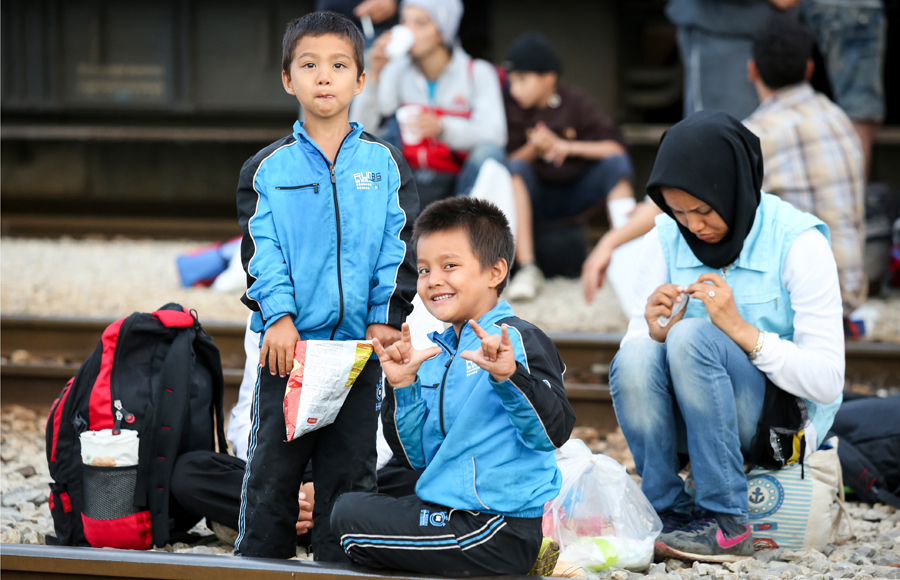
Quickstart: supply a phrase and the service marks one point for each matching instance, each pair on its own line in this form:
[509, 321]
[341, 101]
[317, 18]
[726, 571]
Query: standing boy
[326, 214]
[482, 413]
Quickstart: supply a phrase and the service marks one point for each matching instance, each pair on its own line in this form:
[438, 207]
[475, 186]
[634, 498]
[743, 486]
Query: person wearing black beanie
[567, 158]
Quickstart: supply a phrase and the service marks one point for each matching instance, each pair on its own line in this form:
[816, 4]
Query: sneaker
[526, 284]
[710, 537]
[546, 560]
[673, 520]
[227, 535]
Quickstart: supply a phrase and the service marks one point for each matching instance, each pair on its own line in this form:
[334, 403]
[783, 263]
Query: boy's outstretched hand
[400, 361]
[278, 346]
[496, 355]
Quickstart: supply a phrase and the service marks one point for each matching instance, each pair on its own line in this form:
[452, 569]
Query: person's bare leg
[524, 225]
[866, 131]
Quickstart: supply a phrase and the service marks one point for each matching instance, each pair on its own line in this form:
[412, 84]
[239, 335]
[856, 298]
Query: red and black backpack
[156, 373]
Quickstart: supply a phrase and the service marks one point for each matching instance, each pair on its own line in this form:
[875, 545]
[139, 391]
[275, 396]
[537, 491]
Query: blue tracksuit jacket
[485, 446]
[328, 245]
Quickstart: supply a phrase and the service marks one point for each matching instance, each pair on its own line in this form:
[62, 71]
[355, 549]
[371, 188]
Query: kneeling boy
[482, 413]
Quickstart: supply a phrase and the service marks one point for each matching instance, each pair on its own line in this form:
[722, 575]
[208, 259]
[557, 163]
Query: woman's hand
[400, 362]
[722, 309]
[378, 57]
[661, 303]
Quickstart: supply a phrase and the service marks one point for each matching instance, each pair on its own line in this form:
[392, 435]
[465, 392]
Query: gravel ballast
[874, 552]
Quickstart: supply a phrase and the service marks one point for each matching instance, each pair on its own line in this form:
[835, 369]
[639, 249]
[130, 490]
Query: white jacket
[465, 85]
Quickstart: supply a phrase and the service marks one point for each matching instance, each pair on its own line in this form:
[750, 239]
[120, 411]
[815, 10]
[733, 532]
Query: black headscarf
[713, 157]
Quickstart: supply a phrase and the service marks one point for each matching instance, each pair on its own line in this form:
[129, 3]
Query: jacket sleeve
[403, 413]
[487, 123]
[393, 283]
[269, 288]
[534, 397]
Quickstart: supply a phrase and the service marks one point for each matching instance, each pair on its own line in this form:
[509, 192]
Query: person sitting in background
[455, 115]
[760, 333]
[812, 156]
[566, 157]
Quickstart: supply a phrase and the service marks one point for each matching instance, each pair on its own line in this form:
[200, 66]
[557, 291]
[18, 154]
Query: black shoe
[673, 520]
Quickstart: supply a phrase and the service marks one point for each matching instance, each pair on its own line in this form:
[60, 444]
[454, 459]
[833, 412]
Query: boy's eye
[307, 65]
[448, 266]
[340, 65]
[423, 271]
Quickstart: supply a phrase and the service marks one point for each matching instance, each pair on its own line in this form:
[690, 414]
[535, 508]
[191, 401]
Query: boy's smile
[323, 75]
[452, 283]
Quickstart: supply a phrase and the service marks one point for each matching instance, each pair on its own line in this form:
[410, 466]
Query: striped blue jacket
[485, 446]
[328, 245]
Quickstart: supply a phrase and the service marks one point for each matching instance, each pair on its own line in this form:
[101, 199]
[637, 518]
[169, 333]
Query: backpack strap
[161, 435]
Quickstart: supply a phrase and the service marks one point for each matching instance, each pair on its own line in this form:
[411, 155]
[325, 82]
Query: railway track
[27, 562]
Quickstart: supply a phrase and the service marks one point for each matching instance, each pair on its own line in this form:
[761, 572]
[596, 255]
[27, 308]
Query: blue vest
[754, 278]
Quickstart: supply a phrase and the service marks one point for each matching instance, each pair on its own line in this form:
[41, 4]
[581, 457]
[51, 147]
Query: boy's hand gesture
[496, 355]
[400, 361]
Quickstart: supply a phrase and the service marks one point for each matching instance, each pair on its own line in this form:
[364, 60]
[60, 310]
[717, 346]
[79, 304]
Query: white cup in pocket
[103, 449]
[406, 118]
[402, 40]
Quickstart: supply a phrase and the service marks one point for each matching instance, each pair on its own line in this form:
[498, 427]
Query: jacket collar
[349, 141]
[450, 341]
[753, 256]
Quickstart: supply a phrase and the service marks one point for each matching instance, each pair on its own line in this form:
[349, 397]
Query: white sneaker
[526, 284]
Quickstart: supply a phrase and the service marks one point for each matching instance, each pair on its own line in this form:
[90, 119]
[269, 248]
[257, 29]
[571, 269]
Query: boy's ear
[498, 272]
[286, 81]
[360, 84]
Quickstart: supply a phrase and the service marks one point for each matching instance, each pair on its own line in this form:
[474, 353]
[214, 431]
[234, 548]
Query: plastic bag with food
[323, 372]
[103, 449]
[600, 518]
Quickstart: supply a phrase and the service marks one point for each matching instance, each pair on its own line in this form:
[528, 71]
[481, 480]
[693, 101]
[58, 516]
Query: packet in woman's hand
[323, 372]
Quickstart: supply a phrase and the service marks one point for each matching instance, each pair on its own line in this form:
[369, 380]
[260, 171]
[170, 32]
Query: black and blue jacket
[485, 446]
[328, 244]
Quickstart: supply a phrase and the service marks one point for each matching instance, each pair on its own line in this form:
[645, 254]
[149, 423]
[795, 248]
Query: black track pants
[380, 531]
[343, 454]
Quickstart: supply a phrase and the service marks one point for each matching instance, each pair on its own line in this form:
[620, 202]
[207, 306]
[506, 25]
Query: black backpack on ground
[868, 430]
[158, 374]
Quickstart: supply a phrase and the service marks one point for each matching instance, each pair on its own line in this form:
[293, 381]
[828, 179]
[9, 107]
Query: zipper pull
[315, 188]
[332, 175]
[121, 413]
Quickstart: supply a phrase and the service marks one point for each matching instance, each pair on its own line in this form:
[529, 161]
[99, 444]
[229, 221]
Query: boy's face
[323, 75]
[428, 37]
[452, 283]
[529, 89]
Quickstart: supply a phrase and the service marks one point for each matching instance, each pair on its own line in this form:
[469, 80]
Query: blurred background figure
[811, 154]
[852, 35]
[566, 156]
[440, 106]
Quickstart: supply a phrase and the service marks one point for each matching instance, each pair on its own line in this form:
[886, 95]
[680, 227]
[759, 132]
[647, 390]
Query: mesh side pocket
[109, 492]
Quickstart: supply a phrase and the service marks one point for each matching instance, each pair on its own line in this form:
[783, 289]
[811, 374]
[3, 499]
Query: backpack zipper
[121, 413]
[337, 223]
[315, 187]
[118, 410]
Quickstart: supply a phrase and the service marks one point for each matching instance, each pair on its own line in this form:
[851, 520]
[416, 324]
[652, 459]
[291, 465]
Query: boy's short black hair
[317, 24]
[781, 48]
[488, 229]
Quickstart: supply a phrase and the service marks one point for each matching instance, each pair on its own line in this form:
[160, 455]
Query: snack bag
[324, 371]
[600, 518]
[103, 449]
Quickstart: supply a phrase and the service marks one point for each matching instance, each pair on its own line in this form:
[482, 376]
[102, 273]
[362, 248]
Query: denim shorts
[851, 39]
[551, 201]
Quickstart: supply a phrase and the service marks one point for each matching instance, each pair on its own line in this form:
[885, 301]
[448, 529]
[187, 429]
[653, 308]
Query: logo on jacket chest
[471, 368]
[366, 180]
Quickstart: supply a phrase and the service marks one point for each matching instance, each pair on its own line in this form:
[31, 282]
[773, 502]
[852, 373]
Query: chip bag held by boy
[323, 372]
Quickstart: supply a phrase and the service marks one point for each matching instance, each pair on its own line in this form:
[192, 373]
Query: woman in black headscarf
[742, 320]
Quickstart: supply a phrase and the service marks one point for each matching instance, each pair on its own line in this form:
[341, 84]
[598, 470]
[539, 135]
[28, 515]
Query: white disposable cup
[402, 40]
[406, 118]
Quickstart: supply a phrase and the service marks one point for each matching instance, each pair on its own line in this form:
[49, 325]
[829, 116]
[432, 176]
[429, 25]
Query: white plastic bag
[494, 184]
[600, 518]
[103, 449]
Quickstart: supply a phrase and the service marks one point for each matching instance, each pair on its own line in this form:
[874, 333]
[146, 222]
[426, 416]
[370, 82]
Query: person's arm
[269, 288]
[652, 274]
[527, 152]
[393, 283]
[487, 123]
[810, 366]
[593, 271]
[403, 413]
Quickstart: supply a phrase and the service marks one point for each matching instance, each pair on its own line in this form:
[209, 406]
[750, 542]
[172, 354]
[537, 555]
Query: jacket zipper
[337, 224]
[475, 487]
[443, 380]
[315, 187]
